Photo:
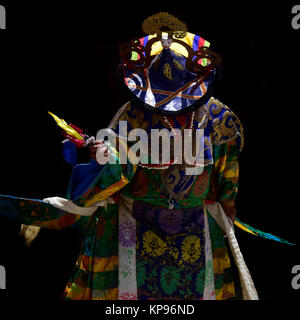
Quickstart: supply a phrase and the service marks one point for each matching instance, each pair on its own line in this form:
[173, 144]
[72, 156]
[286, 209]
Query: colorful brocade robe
[148, 233]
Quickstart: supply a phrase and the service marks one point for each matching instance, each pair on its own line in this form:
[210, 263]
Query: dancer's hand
[103, 153]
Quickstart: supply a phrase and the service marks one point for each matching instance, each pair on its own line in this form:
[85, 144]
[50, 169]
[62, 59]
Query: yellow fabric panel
[221, 163]
[110, 294]
[232, 172]
[76, 292]
[96, 264]
[220, 260]
[227, 291]
[107, 192]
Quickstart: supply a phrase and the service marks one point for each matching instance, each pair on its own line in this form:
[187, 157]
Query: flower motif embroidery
[170, 220]
[128, 296]
[191, 249]
[153, 245]
[125, 271]
[169, 279]
[127, 234]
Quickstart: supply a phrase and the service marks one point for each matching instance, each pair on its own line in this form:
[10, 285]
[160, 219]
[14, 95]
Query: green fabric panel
[217, 236]
[95, 280]
[158, 195]
[101, 238]
[228, 275]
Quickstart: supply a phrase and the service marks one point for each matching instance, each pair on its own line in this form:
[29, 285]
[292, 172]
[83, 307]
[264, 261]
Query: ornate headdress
[170, 80]
[164, 22]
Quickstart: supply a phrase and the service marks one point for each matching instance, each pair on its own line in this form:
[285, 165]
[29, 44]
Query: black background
[63, 58]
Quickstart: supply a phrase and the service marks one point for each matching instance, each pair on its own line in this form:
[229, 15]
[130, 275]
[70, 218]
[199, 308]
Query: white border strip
[248, 288]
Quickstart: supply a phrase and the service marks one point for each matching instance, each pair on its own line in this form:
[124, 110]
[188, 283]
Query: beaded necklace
[188, 162]
[172, 128]
[166, 166]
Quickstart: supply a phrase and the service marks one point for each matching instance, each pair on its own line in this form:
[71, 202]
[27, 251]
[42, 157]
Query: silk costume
[123, 212]
[148, 233]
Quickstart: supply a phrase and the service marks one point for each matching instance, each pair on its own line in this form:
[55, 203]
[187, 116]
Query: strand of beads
[172, 128]
[189, 133]
[175, 133]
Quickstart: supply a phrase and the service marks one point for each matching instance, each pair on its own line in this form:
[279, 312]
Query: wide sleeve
[225, 173]
[35, 212]
[228, 141]
[90, 184]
